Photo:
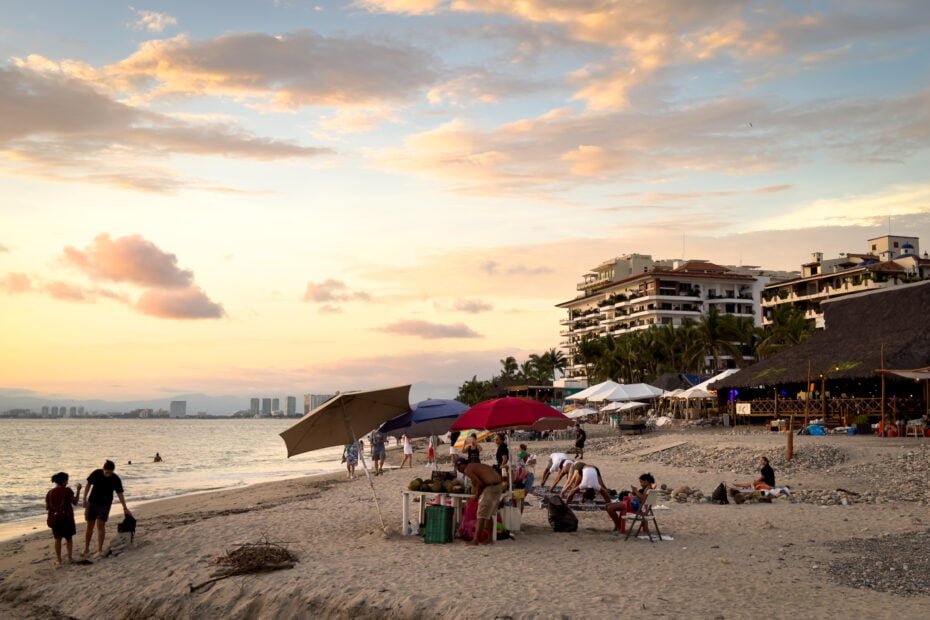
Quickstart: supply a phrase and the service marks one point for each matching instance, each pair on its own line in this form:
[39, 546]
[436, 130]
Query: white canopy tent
[702, 390]
[621, 406]
[574, 414]
[587, 393]
[632, 391]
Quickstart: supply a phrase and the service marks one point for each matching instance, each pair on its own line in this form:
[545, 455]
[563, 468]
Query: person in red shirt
[60, 502]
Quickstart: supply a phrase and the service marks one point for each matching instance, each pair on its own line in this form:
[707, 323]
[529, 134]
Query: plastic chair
[642, 517]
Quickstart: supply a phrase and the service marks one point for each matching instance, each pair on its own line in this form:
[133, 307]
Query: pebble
[894, 563]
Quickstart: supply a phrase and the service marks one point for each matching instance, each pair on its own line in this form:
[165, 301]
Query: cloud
[332, 291]
[493, 268]
[189, 303]
[472, 306]
[284, 71]
[60, 127]
[856, 210]
[3, 248]
[16, 283]
[131, 259]
[429, 331]
[559, 150]
[409, 7]
[65, 291]
[152, 21]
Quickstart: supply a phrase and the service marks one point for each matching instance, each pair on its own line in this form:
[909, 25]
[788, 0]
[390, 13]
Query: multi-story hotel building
[634, 292]
[891, 260]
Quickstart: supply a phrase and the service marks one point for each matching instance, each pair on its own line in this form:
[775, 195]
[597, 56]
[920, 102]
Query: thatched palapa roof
[851, 345]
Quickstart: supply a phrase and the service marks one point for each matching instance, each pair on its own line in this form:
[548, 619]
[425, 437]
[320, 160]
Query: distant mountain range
[213, 405]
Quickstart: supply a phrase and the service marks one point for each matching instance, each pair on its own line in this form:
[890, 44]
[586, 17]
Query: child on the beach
[60, 502]
[431, 452]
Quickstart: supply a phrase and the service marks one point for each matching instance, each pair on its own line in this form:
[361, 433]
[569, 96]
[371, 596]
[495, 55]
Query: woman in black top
[472, 449]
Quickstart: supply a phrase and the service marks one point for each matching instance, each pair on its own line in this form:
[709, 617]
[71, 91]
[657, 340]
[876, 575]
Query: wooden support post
[807, 396]
[882, 426]
[789, 452]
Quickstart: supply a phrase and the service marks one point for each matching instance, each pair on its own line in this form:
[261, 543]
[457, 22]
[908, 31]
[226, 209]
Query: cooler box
[438, 529]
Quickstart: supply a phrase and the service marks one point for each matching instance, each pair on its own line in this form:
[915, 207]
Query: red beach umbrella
[509, 413]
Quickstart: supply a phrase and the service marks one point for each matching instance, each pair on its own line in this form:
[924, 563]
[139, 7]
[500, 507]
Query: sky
[278, 196]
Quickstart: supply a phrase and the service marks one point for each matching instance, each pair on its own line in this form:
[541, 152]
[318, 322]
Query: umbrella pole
[361, 456]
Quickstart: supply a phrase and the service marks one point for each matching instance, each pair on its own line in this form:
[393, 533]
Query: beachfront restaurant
[868, 366]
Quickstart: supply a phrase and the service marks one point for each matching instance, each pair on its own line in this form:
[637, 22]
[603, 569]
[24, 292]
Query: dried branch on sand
[250, 558]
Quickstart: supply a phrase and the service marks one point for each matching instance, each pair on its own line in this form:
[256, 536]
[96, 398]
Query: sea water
[198, 455]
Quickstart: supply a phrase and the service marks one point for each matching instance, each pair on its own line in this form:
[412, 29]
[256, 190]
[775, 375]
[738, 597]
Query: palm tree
[789, 327]
[473, 391]
[509, 369]
[590, 350]
[558, 361]
[717, 337]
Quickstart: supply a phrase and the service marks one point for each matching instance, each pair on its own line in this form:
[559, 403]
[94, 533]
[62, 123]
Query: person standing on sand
[350, 458]
[408, 451]
[98, 499]
[378, 452]
[486, 485]
[60, 502]
[472, 449]
[453, 451]
[580, 437]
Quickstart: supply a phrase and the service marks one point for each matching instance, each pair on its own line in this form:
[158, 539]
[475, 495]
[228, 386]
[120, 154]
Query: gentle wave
[199, 456]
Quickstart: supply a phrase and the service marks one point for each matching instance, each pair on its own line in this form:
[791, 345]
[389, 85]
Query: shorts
[489, 501]
[97, 512]
[408, 450]
[64, 529]
[378, 454]
[431, 454]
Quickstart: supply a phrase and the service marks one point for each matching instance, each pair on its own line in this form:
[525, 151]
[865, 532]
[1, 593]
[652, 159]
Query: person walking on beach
[408, 451]
[60, 502]
[350, 458]
[486, 485]
[580, 437]
[98, 499]
[431, 452]
[378, 452]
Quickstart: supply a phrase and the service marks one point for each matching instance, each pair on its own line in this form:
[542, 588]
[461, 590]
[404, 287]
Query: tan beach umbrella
[340, 420]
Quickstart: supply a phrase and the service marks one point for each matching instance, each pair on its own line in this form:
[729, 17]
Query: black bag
[561, 517]
[128, 525]
[719, 496]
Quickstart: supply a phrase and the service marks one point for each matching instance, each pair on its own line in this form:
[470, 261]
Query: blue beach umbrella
[428, 417]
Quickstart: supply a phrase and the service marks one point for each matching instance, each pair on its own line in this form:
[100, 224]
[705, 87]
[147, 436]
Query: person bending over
[98, 499]
[631, 503]
[486, 485]
[553, 465]
[587, 479]
[565, 468]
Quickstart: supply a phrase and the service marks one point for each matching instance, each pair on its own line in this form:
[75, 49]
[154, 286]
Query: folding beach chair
[643, 517]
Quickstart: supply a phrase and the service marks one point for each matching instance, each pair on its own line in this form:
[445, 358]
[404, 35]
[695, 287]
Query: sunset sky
[288, 196]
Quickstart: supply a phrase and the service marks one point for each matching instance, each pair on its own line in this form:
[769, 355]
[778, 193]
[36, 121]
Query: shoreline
[348, 568]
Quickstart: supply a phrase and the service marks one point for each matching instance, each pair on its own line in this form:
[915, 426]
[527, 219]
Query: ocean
[199, 455]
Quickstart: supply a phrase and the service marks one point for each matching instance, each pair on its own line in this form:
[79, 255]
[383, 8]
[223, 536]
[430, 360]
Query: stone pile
[898, 564]
[740, 460]
[899, 477]
[686, 495]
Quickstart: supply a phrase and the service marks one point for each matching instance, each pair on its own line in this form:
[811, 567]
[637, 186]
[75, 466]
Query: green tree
[789, 327]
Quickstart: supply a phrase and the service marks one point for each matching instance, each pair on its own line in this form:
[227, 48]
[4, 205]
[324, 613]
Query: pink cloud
[130, 259]
[190, 303]
[429, 331]
[16, 283]
[66, 292]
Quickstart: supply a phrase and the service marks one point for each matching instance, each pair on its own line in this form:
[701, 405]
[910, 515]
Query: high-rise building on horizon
[45, 410]
[266, 406]
[291, 406]
[178, 408]
[255, 406]
[275, 404]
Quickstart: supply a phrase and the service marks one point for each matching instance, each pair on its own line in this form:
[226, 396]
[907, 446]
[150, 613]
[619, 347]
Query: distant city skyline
[271, 198]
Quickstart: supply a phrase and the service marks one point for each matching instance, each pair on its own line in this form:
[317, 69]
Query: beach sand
[734, 561]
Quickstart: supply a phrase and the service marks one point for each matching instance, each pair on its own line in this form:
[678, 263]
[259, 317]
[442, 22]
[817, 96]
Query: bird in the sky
[750, 124]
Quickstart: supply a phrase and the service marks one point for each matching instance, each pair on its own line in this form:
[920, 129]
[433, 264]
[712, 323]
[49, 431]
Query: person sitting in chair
[631, 503]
